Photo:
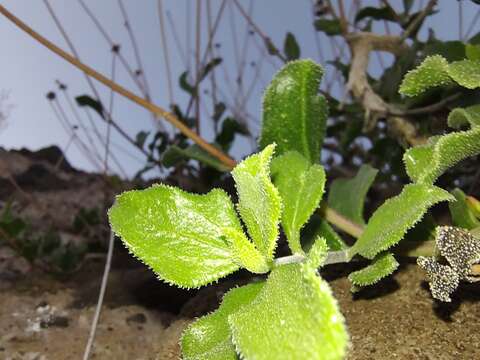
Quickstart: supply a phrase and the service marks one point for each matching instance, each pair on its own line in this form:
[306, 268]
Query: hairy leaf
[425, 163]
[464, 116]
[290, 47]
[347, 196]
[294, 115]
[465, 73]
[394, 217]
[177, 234]
[293, 317]
[209, 337]
[175, 154]
[259, 203]
[317, 253]
[245, 252]
[462, 216]
[432, 72]
[382, 266]
[301, 187]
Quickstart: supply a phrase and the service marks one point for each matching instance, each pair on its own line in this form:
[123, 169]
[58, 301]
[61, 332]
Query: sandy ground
[44, 318]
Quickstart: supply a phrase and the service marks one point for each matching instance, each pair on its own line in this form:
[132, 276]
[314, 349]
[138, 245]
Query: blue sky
[29, 70]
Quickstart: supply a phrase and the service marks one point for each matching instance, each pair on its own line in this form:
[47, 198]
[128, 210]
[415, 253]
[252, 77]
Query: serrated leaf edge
[356, 285]
[208, 279]
[426, 176]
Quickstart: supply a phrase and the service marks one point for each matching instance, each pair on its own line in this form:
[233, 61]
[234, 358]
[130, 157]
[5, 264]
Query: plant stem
[291, 259]
[341, 222]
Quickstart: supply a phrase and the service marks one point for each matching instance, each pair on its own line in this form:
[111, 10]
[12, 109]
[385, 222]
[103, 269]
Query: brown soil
[43, 318]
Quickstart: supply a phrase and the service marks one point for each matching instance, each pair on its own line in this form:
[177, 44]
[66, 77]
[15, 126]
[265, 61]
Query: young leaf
[209, 338]
[472, 52]
[466, 73]
[432, 72]
[178, 234]
[382, 266]
[88, 101]
[425, 163]
[294, 316]
[140, 138]
[317, 253]
[245, 252]
[347, 196]
[185, 85]
[294, 115]
[259, 203]
[464, 116]
[301, 187]
[394, 217]
[290, 47]
[462, 216]
[174, 154]
[209, 67]
[230, 127]
[382, 13]
[328, 26]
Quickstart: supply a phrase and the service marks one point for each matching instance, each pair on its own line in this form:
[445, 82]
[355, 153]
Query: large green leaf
[259, 203]
[394, 217]
[462, 216]
[301, 187]
[294, 115]
[347, 196]
[178, 234]
[464, 116]
[432, 72]
[382, 266]
[465, 73]
[209, 338]
[425, 163]
[294, 316]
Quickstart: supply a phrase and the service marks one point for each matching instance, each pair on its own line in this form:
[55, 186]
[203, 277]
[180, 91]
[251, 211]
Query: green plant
[191, 240]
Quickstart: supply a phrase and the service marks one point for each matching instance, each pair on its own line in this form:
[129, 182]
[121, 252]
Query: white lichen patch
[461, 250]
